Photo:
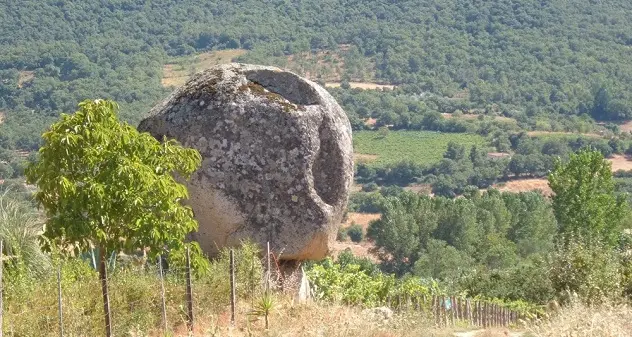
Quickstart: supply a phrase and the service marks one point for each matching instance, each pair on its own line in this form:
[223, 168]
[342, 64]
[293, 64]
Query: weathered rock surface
[277, 158]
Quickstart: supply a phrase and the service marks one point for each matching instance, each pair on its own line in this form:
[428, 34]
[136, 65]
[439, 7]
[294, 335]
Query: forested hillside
[522, 57]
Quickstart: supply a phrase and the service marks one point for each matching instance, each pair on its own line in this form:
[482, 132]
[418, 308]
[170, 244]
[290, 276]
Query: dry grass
[525, 185]
[620, 163]
[25, 77]
[364, 158]
[420, 188]
[320, 319]
[579, 320]
[561, 133]
[362, 219]
[626, 126]
[370, 121]
[362, 85]
[363, 248]
[176, 74]
[2, 116]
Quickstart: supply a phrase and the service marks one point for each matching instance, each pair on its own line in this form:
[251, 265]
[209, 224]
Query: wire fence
[151, 294]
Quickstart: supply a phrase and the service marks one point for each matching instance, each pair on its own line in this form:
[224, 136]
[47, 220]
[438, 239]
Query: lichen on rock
[277, 158]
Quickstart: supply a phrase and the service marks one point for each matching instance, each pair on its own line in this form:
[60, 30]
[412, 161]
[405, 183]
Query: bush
[356, 233]
[370, 187]
[342, 234]
[590, 271]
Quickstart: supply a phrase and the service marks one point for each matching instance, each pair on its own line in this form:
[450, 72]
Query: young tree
[584, 203]
[105, 185]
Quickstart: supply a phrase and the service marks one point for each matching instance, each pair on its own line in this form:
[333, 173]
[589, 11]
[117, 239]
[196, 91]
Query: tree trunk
[103, 276]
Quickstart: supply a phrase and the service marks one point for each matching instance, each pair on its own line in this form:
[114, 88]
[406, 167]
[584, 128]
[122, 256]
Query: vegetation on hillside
[523, 59]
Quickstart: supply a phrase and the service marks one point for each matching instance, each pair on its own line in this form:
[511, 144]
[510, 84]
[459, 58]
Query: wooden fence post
[189, 291]
[269, 270]
[232, 287]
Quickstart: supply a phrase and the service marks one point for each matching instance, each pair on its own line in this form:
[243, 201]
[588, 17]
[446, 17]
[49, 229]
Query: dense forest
[522, 58]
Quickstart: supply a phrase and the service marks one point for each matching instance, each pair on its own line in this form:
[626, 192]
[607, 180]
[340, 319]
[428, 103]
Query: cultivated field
[422, 147]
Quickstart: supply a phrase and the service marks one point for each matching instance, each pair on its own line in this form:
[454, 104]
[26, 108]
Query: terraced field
[422, 147]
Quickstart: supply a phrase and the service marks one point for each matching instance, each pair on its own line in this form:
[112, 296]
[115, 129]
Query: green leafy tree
[403, 231]
[584, 203]
[105, 185]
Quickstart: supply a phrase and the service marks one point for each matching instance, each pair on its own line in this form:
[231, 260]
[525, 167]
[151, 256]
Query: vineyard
[351, 284]
[421, 147]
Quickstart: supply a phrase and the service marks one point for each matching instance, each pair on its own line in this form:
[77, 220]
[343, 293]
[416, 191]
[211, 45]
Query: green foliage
[355, 233]
[367, 266]
[263, 307]
[349, 284]
[444, 238]
[103, 183]
[585, 204]
[403, 231]
[342, 234]
[590, 271]
[20, 232]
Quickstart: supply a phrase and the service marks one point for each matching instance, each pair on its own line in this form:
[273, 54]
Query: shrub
[355, 232]
[342, 234]
[590, 271]
[370, 187]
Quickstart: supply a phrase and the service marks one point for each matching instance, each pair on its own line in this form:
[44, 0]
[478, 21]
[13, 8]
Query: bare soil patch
[370, 121]
[497, 155]
[25, 77]
[364, 158]
[362, 85]
[362, 249]
[525, 185]
[176, 74]
[420, 188]
[626, 126]
[2, 116]
[561, 133]
[362, 219]
[620, 162]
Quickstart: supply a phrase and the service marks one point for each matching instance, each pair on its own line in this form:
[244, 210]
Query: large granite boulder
[277, 158]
